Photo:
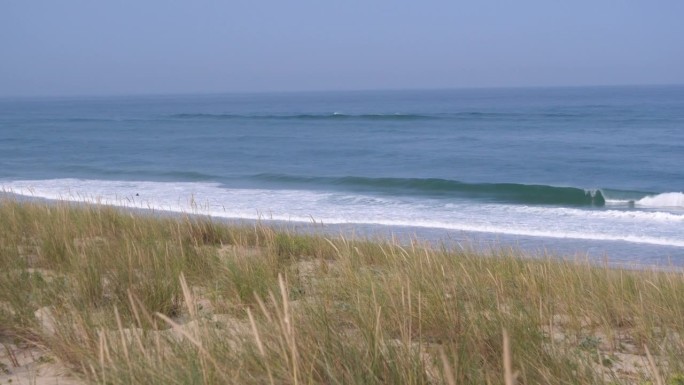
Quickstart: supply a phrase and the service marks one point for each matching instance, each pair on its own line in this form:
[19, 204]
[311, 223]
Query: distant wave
[89, 120]
[500, 192]
[99, 120]
[335, 116]
[464, 115]
[141, 174]
[188, 176]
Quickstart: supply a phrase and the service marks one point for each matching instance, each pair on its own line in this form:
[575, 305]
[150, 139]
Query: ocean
[577, 172]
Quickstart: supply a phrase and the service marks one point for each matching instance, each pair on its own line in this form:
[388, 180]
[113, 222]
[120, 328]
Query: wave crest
[669, 199]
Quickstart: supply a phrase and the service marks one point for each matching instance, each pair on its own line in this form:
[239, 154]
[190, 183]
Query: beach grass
[113, 296]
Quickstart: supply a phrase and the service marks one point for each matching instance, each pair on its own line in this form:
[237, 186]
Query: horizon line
[314, 91]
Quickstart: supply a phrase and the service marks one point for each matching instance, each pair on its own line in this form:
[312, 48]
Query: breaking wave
[669, 199]
[497, 192]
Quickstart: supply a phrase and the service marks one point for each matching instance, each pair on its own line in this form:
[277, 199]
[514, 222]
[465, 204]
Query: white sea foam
[670, 199]
[607, 214]
[636, 226]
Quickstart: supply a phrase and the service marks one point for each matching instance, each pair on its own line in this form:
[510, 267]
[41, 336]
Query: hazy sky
[74, 47]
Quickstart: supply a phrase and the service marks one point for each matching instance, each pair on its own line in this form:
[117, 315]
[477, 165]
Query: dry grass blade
[446, 367]
[509, 377]
[289, 329]
[654, 368]
[260, 345]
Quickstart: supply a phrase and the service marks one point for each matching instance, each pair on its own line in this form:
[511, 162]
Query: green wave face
[444, 188]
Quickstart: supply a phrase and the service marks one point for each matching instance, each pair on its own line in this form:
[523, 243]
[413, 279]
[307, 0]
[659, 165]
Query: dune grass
[121, 298]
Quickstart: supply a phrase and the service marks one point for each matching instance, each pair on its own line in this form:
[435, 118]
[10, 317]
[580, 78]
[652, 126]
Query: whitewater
[649, 227]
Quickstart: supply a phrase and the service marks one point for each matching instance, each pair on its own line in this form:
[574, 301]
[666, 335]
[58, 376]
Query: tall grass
[131, 298]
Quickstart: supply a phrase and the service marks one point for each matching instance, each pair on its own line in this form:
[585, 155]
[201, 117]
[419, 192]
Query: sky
[90, 47]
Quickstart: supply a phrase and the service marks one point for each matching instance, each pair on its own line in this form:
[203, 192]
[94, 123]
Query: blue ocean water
[582, 170]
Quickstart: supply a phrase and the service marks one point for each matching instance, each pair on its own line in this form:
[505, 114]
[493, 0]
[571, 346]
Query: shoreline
[614, 253]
